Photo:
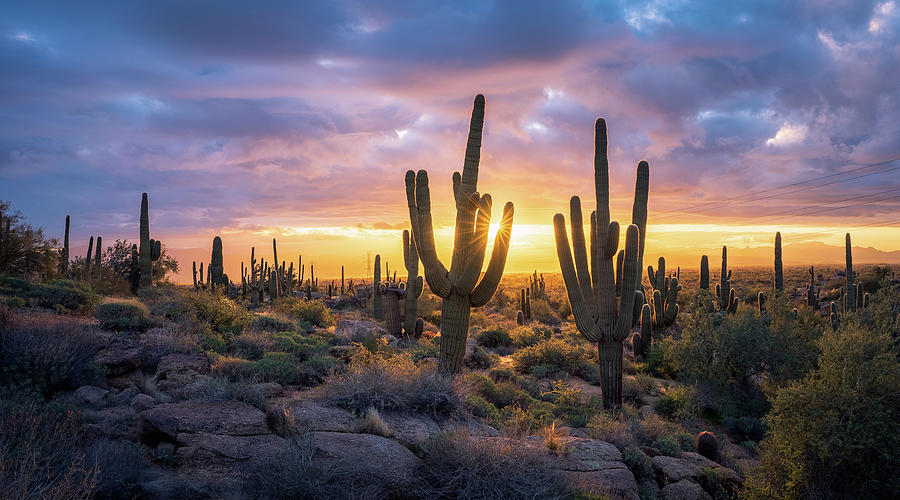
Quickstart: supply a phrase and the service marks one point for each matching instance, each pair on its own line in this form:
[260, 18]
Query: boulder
[119, 360]
[141, 402]
[267, 389]
[90, 394]
[408, 430]
[671, 470]
[234, 418]
[205, 449]
[597, 466]
[381, 460]
[310, 415]
[683, 490]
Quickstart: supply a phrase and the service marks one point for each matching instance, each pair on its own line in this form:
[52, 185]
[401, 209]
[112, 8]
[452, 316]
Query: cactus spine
[779, 269]
[414, 284]
[459, 287]
[726, 301]
[377, 303]
[149, 249]
[598, 316]
[217, 264]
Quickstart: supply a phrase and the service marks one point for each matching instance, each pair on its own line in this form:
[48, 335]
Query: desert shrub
[72, 295]
[638, 463]
[501, 393]
[481, 359]
[679, 402]
[543, 312]
[252, 345]
[570, 403]
[223, 389]
[39, 454]
[15, 302]
[611, 427]
[233, 368]
[312, 312]
[46, 355]
[221, 314]
[554, 357]
[392, 382]
[268, 323]
[303, 346]
[424, 348]
[836, 432]
[460, 467]
[124, 316]
[652, 427]
[745, 428]
[482, 408]
[524, 336]
[495, 337]
[667, 446]
[285, 368]
[717, 484]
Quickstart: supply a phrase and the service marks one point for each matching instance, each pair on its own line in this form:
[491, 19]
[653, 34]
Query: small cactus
[98, 257]
[704, 273]
[520, 318]
[149, 250]
[217, 264]
[664, 299]
[761, 304]
[414, 284]
[377, 304]
[726, 301]
[812, 295]
[833, 315]
[646, 331]
[779, 268]
[87, 260]
[64, 252]
[708, 445]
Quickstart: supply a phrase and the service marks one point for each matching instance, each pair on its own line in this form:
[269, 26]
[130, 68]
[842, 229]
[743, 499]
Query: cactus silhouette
[149, 249]
[592, 295]
[217, 264]
[377, 304]
[664, 299]
[779, 269]
[459, 287]
[64, 252]
[704, 273]
[726, 301]
[414, 284]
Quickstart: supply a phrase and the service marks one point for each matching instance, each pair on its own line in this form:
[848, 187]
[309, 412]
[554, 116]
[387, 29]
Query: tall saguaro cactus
[217, 264]
[149, 249]
[459, 287]
[599, 316]
[726, 302]
[377, 303]
[850, 295]
[414, 285]
[704, 273]
[779, 269]
[64, 254]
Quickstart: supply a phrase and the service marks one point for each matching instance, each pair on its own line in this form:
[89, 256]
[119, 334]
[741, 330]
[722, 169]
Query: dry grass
[372, 423]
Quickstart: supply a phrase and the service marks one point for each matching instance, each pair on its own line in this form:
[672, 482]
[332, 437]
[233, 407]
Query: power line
[843, 230]
[715, 202]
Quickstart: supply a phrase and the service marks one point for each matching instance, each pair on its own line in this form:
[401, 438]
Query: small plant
[524, 336]
[268, 323]
[124, 316]
[638, 463]
[554, 356]
[667, 446]
[372, 423]
[309, 311]
[493, 338]
[708, 446]
[554, 439]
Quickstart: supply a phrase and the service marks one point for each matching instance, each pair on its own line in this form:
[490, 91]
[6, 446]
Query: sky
[299, 120]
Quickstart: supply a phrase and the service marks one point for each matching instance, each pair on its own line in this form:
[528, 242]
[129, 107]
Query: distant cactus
[393, 320]
[64, 252]
[708, 445]
[637, 344]
[537, 285]
[149, 250]
[342, 276]
[459, 287]
[850, 289]
[194, 273]
[98, 257]
[664, 298]
[525, 304]
[87, 260]
[520, 318]
[761, 304]
[217, 264]
[779, 268]
[419, 328]
[833, 315]
[812, 295]
[377, 303]
[726, 301]
[414, 284]
[704, 273]
[599, 316]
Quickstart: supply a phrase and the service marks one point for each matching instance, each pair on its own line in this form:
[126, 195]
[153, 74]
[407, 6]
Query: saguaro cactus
[98, 257]
[646, 331]
[726, 302]
[761, 304]
[87, 260]
[664, 299]
[64, 253]
[194, 273]
[414, 284]
[149, 249]
[377, 303]
[779, 269]
[459, 287]
[217, 264]
[812, 295]
[704, 273]
[850, 302]
[592, 295]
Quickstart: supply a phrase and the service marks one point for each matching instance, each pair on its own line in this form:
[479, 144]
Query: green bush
[268, 323]
[667, 446]
[122, 316]
[222, 314]
[481, 359]
[836, 432]
[639, 463]
[15, 302]
[524, 336]
[679, 402]
[72, 295]
[309, 311]
[303, 346]
[493, 338]
[553, 357]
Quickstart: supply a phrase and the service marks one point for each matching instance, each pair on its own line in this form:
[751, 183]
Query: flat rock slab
[671, 470]
[233, 418]
[610, 483]
[212, 449]
[310, 415]
[410, 430]
[383, 460]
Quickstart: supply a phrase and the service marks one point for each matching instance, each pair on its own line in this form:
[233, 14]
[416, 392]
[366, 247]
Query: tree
[24, 251]
[836, 432]
[118, 259]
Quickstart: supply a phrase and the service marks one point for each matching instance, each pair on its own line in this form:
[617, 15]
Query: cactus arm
[672, 301]
[631, 282]
[477, 247]
[488, 285]
[418, 198]
[582, 270]
[639, 208]
[580, 311]
[419, 287]
[619, 263]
